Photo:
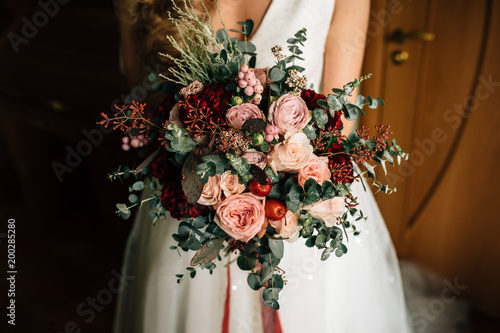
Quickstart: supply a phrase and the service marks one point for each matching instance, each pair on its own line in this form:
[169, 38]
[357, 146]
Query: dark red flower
[161, 167]
[174, 200]
[202, 112]
[340, 164]
[311, 98]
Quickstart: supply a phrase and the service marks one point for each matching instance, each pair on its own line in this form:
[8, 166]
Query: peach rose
[230, 185]
[288, 226]
[212, 193]
[255, 157]
[289, 113]
[241, 216]
[328, 211]
[292, 154]
[238, 114]
[317, 169]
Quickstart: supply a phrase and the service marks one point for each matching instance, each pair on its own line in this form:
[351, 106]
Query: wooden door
[443, 101]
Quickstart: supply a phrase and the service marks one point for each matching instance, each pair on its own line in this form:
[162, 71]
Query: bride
[359, 292]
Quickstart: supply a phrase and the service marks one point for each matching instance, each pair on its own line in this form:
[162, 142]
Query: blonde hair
[150, 26]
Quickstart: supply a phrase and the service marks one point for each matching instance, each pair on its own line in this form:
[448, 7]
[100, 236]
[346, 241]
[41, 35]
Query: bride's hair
[150, 25]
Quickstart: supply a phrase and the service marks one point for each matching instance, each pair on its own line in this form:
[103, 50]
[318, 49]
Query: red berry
[275, 209]
[258, 189]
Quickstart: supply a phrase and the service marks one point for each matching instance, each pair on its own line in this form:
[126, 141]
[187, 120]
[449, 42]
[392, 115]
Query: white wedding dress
[360, 292]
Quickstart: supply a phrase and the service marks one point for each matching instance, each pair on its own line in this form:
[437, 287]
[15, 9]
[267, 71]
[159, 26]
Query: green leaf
[294, 198]
[321, 117]
[192, 184]
[246, 263]
[276, 74]
[360, 100]
[138, 186]
[246, 47]
[277, 247]
[380, 101]
[253, 281]
[328, 190]
[241, 166]
[222, 35]
[207, 253]
[310, 132]
[133, 199]
[348, 90]
[247, 27]
[333, 102]
[320, 241]
[350, 111]
[313, 193]
[326, 253]
[275, 88]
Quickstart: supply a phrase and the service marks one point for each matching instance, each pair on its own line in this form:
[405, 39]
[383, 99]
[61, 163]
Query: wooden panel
[457, 233]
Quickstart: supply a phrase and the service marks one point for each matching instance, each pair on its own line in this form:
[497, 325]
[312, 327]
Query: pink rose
[328, 211]
[255, 157]
[211, 194]
[288, 226]
[230, 184]
[238, 114]
[289, 113]
[317, 169]
[292, 154]
[241, 216]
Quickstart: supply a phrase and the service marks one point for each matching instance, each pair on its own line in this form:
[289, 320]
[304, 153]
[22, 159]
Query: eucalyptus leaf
[277, 247]
[206, 254]
[276, 74]
[192, 185]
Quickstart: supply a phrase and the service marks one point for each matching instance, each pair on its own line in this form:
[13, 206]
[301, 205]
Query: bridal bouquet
[247, 158]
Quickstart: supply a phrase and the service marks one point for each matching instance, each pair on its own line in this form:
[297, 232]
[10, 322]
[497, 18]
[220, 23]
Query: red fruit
[258, 189]
[275, 209]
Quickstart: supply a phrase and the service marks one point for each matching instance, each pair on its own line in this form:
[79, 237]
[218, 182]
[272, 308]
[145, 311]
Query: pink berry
[248, 77]
[257, 98]
[135, 143]
[252, 82]
[125, 147]
[276, 130]
[258, 88]
[145, 141]
[258, 81]
[125, 139]
[251, 71]
[269, 129]
[269, 137]
[141, 137]
[244, 68]
[249, 91]
[242, 83]
[241, 75]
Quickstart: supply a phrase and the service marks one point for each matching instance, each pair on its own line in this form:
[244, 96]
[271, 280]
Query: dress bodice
[282, 20]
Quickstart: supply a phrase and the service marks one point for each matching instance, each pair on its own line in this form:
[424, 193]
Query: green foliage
[241, 166]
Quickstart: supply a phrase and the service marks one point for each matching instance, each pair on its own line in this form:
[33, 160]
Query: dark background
[68, 238]
[69, 241]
